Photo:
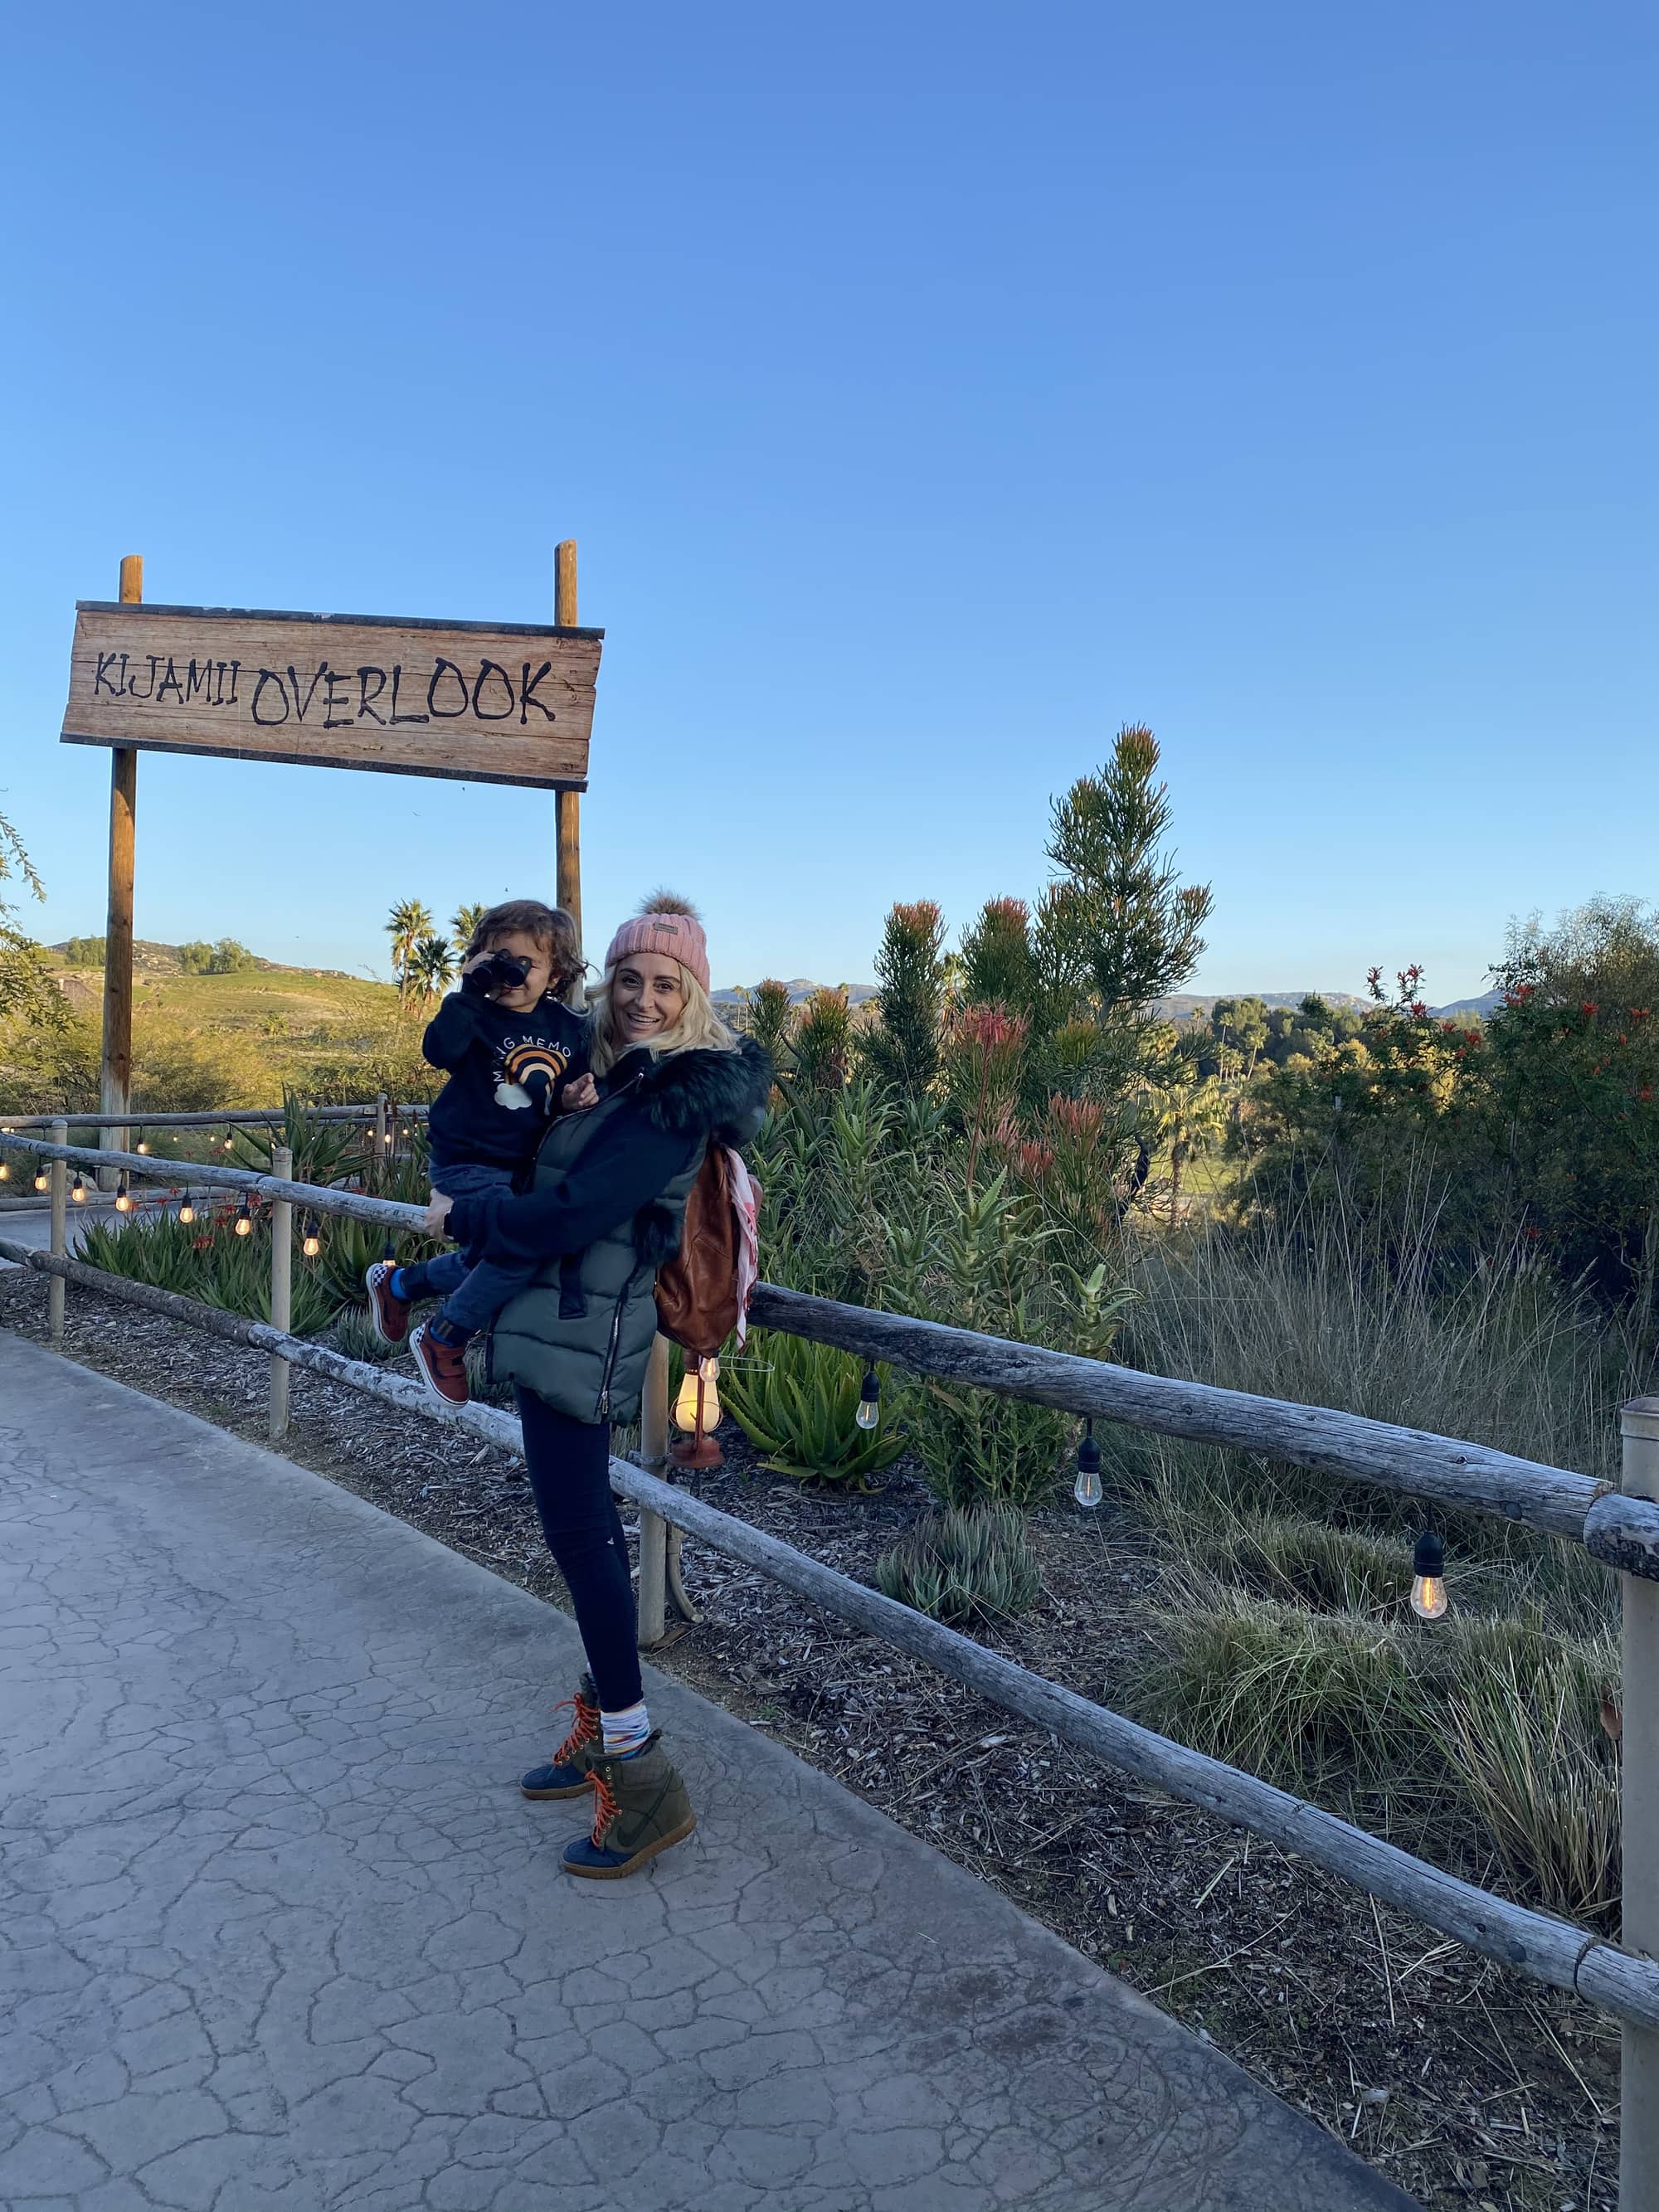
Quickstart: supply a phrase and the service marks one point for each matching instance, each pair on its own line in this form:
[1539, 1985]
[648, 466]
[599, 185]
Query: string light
[1429, 1599]
[186, 1210]
[311, 1244]
[869, 1411]
[78, 1189]
[1086, 1489]
[123, 1196]
[143, 1145]
[42, 1178]
[243, 1224]
[5, 1170]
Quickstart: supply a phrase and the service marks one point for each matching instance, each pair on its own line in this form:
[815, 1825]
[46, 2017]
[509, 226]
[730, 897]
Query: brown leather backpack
[697, 1302]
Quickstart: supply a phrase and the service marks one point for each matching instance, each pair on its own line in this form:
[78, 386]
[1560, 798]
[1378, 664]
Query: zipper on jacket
[611, 1359]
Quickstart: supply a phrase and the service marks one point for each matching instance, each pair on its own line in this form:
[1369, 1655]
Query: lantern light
[1429, 1600]
[1086, 1489]
[869, 1411]
[697, 1412]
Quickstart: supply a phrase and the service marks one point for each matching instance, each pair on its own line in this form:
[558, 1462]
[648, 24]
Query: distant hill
[800, 991]
[1488, 1003]
[149, 958]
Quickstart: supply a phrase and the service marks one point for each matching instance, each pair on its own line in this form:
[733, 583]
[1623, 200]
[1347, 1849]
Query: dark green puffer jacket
[604, 1211]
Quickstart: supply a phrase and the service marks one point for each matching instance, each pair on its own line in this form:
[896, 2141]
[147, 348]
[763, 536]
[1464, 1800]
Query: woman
[604, 1211]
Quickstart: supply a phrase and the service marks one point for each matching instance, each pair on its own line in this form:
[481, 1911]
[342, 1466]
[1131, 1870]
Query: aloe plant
[969, 1564]
[798, 1403]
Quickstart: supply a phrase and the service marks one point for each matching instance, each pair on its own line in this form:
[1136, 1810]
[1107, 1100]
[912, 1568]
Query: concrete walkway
[277, 1929]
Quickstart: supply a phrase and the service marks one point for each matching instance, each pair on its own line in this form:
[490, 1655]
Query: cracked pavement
[277, 1933]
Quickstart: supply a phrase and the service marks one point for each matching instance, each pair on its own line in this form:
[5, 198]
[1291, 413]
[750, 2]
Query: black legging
[569, 1464]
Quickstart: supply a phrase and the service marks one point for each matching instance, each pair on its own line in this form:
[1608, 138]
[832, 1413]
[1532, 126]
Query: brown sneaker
[443, 1366]
[387, 1316]
[565, 1774]
[640, 1808]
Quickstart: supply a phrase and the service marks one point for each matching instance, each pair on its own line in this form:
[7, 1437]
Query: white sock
[627, 1730]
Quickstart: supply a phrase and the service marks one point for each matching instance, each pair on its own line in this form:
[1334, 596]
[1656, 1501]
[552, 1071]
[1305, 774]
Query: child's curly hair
[551, 929]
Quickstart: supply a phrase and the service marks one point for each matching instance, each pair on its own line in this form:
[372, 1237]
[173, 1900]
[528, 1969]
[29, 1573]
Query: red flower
[1533, 1235]
[1645, 1092]
[1638, 1013]
[1590, 1006]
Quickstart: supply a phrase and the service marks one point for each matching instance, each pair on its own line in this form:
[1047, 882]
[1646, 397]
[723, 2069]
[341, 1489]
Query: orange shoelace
[605, 1805]
[583, 1729]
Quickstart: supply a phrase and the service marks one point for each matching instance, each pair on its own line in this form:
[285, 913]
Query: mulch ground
[1467, 2086]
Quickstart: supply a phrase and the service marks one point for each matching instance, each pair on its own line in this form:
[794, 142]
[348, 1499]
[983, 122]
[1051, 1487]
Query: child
[516, 1054]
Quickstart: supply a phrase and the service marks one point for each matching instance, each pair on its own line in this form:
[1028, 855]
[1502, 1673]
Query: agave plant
[798, 1403]
[968, 1564]
[325, 1152]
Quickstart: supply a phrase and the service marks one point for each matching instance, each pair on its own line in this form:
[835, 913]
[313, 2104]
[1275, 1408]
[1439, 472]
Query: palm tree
[464, 924]
[408, 922]
[433, 966]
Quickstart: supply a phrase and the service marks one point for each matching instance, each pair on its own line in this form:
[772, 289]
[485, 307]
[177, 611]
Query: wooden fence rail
[256, 1117]
[1533, 1944]
[1621, 1532]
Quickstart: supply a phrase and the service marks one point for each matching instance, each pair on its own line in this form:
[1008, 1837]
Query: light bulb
[310, 1244]
[1429, 1599]
[686, 1408]
[186, 1211]
[243, 1224]
[5, 1170]
[869, 1411]
[142, 1145]
[42, 1179]
[123, 1197]
[78, 1191]
[1087, 1489]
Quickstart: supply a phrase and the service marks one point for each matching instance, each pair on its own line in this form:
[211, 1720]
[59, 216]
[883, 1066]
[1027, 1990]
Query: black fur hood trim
[706, 1092]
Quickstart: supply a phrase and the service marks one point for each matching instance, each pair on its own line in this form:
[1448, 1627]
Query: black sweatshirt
[626, 1166]
[506, 1071]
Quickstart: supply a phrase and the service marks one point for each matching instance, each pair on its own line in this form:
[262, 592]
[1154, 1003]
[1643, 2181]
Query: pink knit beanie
[669, 925]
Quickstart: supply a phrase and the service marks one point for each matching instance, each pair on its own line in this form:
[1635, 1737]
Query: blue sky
[930, 389]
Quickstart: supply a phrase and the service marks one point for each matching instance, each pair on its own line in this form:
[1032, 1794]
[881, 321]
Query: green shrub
[964, 1565]
[325, 1152]
[351, 1248]
[798, 1403]
[205, 1260]
[1522, 1736]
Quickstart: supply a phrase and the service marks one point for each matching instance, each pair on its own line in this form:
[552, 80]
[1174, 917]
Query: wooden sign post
[115, 1072]
[479, 703]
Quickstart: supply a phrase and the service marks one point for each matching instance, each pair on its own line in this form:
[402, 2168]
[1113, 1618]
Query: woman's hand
[437, 1213]
[578, 1095]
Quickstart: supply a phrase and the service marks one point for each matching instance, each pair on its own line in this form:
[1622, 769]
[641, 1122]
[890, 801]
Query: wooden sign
[489, 703]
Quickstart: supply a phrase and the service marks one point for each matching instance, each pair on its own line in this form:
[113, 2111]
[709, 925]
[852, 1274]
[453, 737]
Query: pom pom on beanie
[668, 925]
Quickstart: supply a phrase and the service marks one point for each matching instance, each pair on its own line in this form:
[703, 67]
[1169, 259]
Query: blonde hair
[699, 1028]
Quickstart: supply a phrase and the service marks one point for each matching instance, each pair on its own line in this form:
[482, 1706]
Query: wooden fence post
[281, 1287]
[379, 1128]
[569, 804]
[59, 1231]
[115, 1070]
[1638, 2102]
[653, 1529]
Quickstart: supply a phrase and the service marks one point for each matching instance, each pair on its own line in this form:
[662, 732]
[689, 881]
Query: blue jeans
[473, 1289]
